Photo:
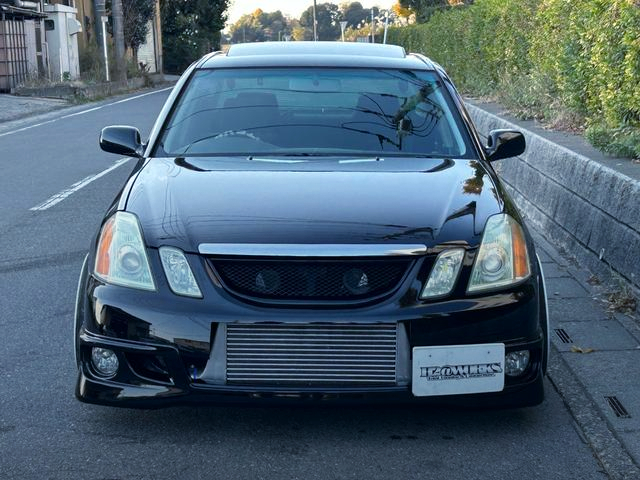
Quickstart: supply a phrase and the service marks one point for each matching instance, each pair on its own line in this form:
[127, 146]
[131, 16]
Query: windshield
[314, 111]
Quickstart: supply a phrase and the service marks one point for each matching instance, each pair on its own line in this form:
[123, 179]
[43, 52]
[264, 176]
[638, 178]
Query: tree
[301, 33]
[425, 8]
[190, 28]
[137, 15]
[354, 14]
[416, 5]
[400, 11]
[259, 26]
[327, 15]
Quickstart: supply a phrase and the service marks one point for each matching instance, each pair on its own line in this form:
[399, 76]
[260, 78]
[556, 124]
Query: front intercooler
[339, 355]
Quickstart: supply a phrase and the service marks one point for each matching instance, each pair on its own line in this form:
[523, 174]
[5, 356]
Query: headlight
[121, 258]
[503, 258]
[178, 272]
[444, 274]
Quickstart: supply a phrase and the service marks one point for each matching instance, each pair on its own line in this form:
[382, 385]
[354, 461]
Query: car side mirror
[505, 144]
[122, 140]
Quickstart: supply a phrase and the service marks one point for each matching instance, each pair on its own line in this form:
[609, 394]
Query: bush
[568, 63]
[91, 63]
[620, 142]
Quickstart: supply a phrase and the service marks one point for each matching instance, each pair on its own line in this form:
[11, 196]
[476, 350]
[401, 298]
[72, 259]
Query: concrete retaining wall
[588, 209]
[88, 92]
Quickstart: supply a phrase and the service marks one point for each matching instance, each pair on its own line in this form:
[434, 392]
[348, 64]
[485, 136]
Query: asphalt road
[45, 227]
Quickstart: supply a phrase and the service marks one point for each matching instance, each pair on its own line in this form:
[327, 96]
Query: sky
[293, 8]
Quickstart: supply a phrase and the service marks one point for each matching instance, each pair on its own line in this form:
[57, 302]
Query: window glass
[314, 111]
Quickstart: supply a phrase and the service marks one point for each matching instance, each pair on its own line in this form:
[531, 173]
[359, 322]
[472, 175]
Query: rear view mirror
[505, 144]
[121, 140]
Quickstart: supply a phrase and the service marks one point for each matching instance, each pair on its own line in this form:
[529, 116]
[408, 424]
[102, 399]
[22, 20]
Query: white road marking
[35, 125]
[58, 197]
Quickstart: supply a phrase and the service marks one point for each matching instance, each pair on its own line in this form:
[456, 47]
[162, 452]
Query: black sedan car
[312, 222]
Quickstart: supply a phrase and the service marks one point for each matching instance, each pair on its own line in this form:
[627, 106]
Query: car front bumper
[160, 343]
[138, 392]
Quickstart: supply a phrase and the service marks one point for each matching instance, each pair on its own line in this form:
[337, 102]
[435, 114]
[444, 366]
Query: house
[62, 29]
[45, 39]
[23, 52]
[150, 53]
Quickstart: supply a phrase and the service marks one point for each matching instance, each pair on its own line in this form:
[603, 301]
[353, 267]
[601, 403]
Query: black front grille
[311, 280]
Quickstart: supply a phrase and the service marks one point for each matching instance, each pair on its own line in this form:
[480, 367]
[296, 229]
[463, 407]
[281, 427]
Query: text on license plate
[457, 369]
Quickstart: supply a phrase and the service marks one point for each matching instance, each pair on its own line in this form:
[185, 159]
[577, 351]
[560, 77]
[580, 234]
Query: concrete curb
[589, 210]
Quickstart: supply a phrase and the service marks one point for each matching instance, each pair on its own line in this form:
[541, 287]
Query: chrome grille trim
[311, 250]
[307, 355]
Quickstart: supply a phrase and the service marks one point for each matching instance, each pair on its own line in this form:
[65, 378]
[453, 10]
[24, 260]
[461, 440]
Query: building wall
[32, 47]
[85, 17]
[22, 52]
[62, 41]
[150, 53]
[13, 57]
[146, 52]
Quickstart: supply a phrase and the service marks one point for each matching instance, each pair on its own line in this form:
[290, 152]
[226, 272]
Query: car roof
[311, 54]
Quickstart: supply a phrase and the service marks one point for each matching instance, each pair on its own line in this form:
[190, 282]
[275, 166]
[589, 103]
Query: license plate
[458, 369]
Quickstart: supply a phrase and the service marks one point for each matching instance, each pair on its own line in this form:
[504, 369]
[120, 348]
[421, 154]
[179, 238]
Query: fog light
[516, 362]
[105, 361]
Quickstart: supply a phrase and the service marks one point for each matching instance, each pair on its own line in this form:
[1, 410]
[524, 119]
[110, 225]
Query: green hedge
[570, 63]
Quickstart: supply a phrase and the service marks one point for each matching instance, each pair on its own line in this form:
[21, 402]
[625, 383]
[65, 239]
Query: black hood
[188, 201]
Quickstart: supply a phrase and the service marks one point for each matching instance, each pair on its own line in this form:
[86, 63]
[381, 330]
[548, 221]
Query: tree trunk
[118, 39]
[158, 37]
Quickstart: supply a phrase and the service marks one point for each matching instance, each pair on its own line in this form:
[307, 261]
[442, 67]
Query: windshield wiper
[275, 160]
[226, 134]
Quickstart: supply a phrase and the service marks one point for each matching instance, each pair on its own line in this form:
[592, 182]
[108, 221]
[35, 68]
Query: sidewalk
[19, 108]
[595, 362]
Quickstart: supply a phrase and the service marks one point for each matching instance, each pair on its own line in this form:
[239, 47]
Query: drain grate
[618, 408]
[563, 335]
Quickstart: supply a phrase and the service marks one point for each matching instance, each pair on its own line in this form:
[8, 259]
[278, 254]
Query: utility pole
[100, 11]
[118, 39]
[315, 23]
[373, 26]
[100, 16]
[103, 34]
[386, 26]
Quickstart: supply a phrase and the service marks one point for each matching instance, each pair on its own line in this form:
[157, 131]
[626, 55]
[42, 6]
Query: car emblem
[356, 281]
[267, 281]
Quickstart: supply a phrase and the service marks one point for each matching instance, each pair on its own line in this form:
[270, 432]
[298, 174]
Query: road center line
[60, 196]
[29, 127]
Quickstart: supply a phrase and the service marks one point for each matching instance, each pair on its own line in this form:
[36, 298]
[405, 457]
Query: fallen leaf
[576, 349]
